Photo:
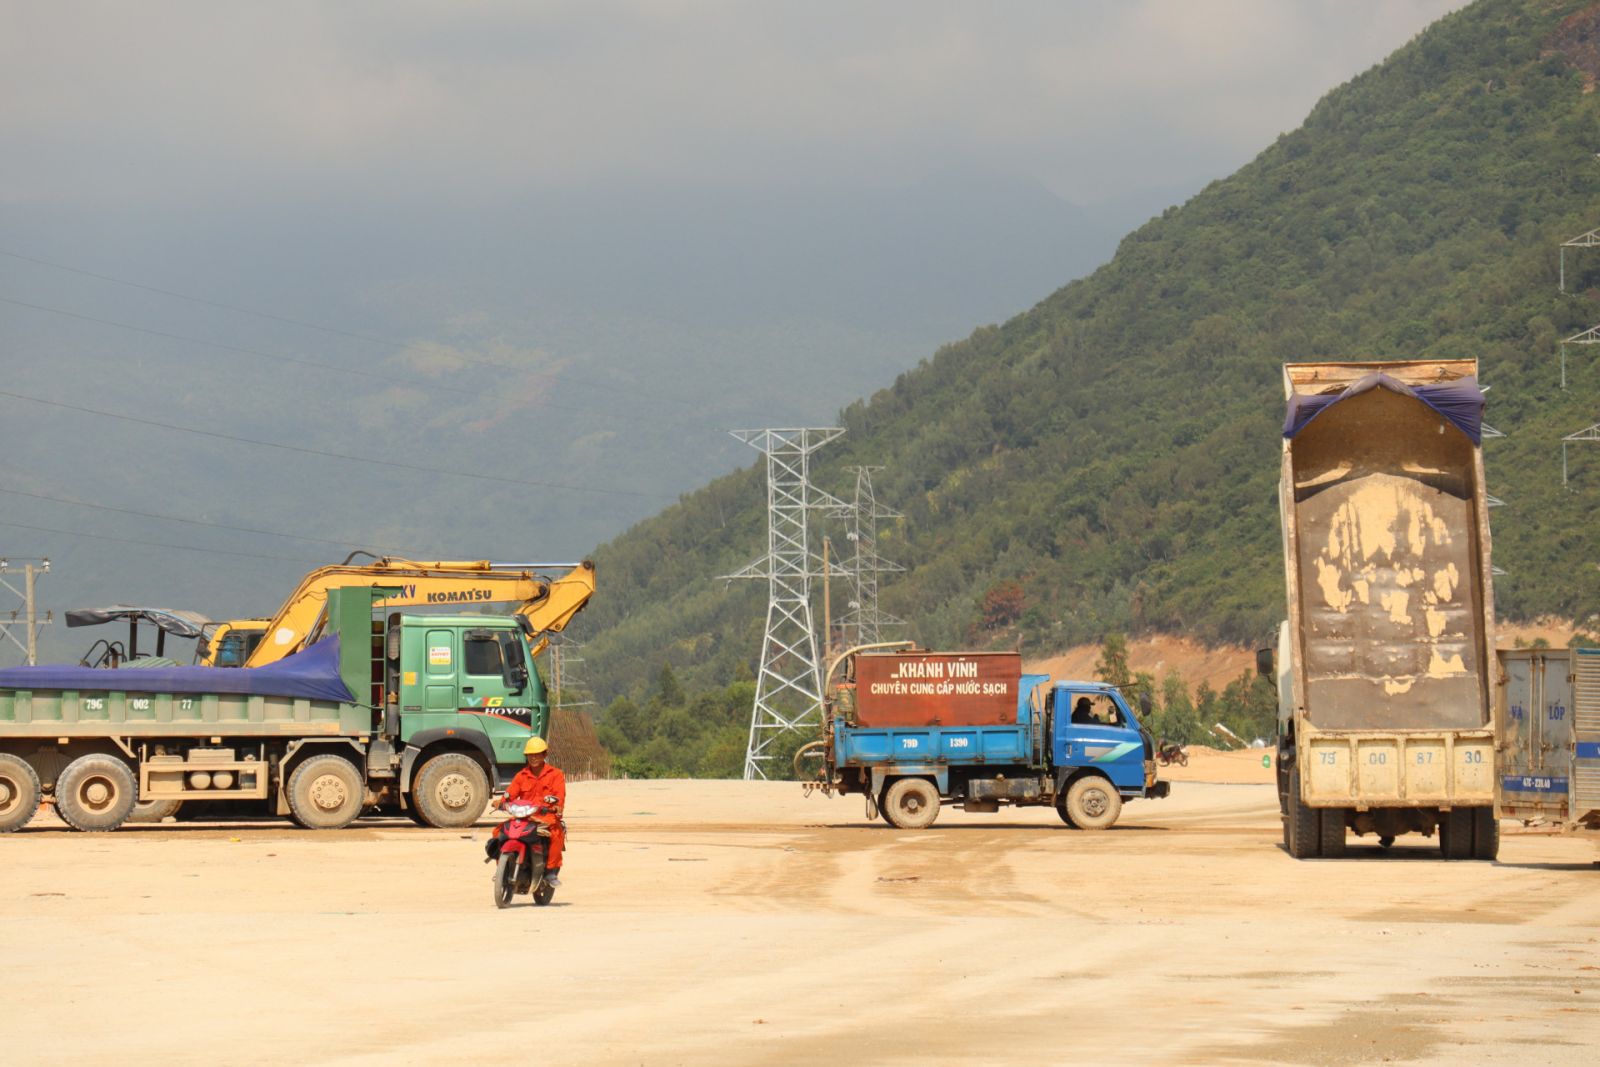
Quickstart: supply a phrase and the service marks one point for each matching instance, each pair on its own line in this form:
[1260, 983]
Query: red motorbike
[519, 848]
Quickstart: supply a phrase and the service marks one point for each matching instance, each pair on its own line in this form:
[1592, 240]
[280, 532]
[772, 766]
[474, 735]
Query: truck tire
[911, 804]
[1093, 803]
[450, 792]
[152, 811]
[1455, 834]
[1331, 832]
[19, 793]
[325, 793]
[1485, 834]
[1302, 826]
[1061, 810]
[96, 793]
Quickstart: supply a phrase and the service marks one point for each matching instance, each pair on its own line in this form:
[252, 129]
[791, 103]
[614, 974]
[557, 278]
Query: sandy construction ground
[729, 923]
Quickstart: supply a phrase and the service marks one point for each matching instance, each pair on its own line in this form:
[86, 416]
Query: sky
[119, 104]
[567, 245]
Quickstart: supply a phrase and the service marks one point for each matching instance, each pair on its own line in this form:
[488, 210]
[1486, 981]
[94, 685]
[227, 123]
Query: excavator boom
[547, 603]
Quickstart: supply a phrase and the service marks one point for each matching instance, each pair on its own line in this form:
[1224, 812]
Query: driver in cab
[542, 784]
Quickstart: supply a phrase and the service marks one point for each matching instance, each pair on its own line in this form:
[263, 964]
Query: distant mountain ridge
[1114, 450]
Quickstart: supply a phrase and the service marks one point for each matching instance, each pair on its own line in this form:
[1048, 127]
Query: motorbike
[518, 850]
[1170, 752]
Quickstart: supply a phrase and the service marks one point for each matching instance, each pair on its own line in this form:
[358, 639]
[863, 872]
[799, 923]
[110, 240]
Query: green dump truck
[425, 714]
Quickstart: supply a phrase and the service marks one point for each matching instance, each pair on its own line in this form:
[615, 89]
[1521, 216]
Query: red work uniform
[533, 788]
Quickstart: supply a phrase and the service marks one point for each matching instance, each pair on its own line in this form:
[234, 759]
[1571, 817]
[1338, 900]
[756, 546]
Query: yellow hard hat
[535, 745]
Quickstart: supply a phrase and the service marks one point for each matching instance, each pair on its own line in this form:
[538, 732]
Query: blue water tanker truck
[912, 729]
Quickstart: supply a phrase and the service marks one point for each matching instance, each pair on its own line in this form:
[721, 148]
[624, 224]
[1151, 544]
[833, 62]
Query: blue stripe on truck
[1589, 749]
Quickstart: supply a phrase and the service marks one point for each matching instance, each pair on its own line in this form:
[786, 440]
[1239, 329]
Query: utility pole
[789, 685]
[30, 621]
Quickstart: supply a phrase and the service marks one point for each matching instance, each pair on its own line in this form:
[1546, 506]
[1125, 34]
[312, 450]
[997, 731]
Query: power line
[365, 375]
[176, 518]
[208, 303]
[334, 455]
[333, 330]
[156, 544]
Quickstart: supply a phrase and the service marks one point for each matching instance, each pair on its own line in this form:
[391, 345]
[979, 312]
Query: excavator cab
[230, 644]
[109, 652]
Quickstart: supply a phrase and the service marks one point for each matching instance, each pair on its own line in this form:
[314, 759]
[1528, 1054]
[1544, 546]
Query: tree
[1002, 604]
[1112, 666]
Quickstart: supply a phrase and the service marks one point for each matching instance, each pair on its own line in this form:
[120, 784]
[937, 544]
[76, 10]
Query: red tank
[937, 688]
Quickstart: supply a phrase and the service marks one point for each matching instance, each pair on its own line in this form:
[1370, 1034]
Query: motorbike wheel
[1183, 759]
[505, 876]
[542, 895]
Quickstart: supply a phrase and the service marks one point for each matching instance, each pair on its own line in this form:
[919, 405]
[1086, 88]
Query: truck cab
[469, 677]
[1094, 729]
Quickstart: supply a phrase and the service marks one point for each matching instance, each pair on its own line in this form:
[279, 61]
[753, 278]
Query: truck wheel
[1093, 803]
[1331, 832]
[450, 791]
[325, 793]
[1455, 834]
[1061, 810]
[19, 793]
[1485, 834]
[96, 793]
[148, 811]
[911, 804]
[1301, 825]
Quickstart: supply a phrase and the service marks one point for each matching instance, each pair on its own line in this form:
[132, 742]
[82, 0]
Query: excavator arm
[546, 604]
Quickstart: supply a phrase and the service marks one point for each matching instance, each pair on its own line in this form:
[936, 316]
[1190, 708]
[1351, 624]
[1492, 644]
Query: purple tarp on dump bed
[1460, 401]
[312, 673]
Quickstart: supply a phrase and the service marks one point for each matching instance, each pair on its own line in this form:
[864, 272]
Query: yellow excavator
[546, 599]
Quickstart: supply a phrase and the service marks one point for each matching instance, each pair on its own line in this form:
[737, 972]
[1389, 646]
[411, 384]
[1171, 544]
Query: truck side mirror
[1146, 705]
[516, 676]
[1264, 664]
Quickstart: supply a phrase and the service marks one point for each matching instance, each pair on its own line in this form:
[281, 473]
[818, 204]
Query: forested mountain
[1107, 461]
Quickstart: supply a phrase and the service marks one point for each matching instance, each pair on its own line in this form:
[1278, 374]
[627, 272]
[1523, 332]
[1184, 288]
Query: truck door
[1092, 729]
[501, 708]
[1536, 757]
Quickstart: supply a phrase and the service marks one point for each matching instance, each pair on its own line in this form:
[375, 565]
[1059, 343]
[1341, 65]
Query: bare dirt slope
[725, 922]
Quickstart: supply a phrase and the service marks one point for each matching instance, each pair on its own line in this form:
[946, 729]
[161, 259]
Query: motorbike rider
[534, 784]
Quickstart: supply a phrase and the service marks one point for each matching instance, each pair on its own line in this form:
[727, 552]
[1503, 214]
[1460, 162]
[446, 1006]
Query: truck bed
[53, 713]
[860, 746]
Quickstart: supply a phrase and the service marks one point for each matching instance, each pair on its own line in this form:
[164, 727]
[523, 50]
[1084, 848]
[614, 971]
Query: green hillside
[1114, 450]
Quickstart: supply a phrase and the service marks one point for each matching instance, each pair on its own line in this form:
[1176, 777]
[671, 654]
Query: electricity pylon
[864, 622]
[789, 684]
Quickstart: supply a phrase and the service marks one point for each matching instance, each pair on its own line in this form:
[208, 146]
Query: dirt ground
[730, 922]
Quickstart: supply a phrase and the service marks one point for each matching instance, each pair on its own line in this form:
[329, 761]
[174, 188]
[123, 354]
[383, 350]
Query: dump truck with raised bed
[421, 713]
[1547, 709]
[909, 729]
[1384, 664]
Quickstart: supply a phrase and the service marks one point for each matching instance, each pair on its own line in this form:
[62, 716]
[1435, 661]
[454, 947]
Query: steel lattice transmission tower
[864, 622]
[789, 684]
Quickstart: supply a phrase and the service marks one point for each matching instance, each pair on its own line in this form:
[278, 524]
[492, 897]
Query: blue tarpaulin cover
[312, 673]
[1459, 401]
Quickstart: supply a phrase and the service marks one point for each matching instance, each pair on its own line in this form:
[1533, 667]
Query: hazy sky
[117, 102]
